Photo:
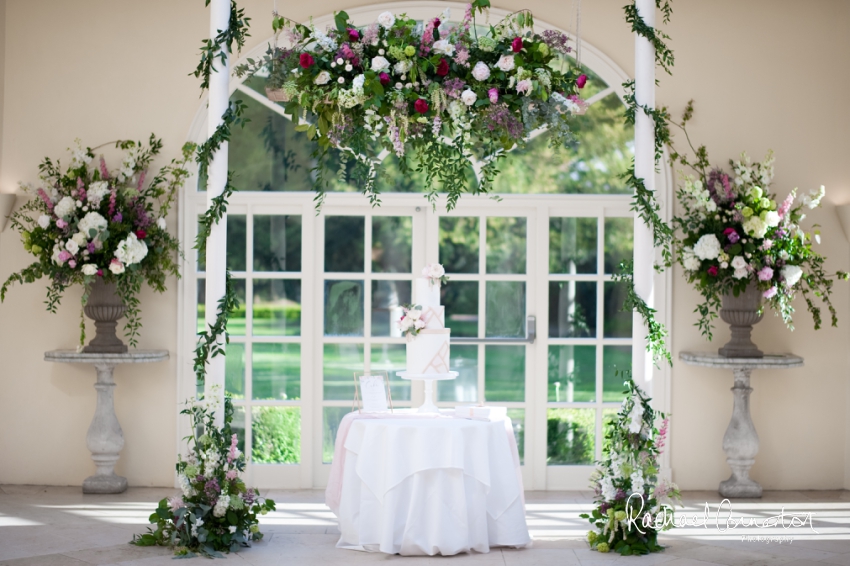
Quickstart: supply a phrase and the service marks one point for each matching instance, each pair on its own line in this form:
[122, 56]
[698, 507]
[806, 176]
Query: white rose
[740, 273]
[436, 271]
[468, 97]
[402, 67]
[386, 20]
[739, 262]
[116, 267]
[96, 192]
[506, 63]
[708, 247]
[443, 47]
[322, 78]
[791, 274]
[72, 246]
[414, 314]
[92, 221]
[161, 223]
[80, 238]
[65, 207]
[691, 262]
[481, 72]
[771, 218]
[380, 64]
[89, 269]
[420, 324]
[44, 221]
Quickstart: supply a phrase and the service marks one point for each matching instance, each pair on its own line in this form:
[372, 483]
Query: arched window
[321, 293]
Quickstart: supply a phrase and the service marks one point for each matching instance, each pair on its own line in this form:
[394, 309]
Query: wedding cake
[424, 323]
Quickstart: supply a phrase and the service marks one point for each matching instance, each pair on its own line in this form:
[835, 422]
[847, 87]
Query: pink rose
[493, 93]
[581, 81]
[72, 264]
[61, 224]
[770, 293]
[384, 78]
[64, 256]
[712, 271]
[421, 105]
[306, 60]
[766, 273]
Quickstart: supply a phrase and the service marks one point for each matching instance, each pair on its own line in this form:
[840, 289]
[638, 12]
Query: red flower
[353, 34]
[100, 273]
[443, 68]
[712, 271]
[436, 23]
[384, 78]
[581, 81]
[306, 61]
[421, 106]
[141, 234]
[516, 45]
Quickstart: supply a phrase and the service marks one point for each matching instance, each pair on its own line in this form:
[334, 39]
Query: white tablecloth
[414, 484]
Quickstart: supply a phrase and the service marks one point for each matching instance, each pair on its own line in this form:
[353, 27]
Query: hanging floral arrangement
[439, 92]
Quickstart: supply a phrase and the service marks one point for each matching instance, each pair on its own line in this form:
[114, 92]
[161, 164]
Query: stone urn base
[105, 308]
[741, 313]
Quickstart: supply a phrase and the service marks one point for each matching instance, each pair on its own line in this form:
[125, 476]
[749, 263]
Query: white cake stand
[429, 378]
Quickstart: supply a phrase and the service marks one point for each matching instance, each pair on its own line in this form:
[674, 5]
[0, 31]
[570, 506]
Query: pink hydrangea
[770, 293]
[765, 273]
[231, 475]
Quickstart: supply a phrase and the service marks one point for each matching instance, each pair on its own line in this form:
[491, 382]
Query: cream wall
[766, 74]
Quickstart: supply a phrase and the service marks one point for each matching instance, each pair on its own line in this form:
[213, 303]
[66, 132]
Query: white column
[219, 95]
[644, 254]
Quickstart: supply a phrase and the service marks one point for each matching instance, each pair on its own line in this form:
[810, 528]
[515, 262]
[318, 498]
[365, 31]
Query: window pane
[504, 373]
[517, 417]
[236, 324]
[619, 242]
[464, 389]
[331, 417]
[234, 370]
[392, 358]
[276, 370]
[459, 244]
[460, 299]
[277, 307]
[618, 324]
[339, 363]
[343, 308]
[572, 245]
[201, 309]
[387, 298]
[505, 309]
[237, 228]
[572, 309]
[572, 374]
[506, 245]
[570, 436]
[276, 435]
[344, 241]
[616, 366]
[277, 243]
[392, 240]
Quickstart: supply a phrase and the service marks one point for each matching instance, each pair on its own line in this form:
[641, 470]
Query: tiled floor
[58, 526]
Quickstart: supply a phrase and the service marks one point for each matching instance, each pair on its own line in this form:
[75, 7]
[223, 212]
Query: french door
[534, 316]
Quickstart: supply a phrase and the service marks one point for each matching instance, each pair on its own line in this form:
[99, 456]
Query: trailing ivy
[210, 340]
[644, 203]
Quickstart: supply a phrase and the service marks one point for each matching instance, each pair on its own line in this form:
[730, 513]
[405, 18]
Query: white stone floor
[59, 526]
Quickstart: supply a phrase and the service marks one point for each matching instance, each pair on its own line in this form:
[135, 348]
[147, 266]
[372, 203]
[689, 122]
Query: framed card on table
[372, 392]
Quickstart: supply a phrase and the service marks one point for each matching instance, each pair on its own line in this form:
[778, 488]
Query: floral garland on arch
[632, 504]
[434, 90]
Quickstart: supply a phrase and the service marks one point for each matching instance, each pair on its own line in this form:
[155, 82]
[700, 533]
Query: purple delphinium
[620, 495]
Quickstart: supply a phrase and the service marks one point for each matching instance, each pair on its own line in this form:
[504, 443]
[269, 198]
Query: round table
[416, 484]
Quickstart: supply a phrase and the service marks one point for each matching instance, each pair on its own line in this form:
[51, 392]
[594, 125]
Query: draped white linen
[413, 484]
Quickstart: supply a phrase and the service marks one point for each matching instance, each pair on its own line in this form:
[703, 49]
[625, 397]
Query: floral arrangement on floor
[86, 222]
[736, 232]
[216, 512]
[633, 505]
[433, 89]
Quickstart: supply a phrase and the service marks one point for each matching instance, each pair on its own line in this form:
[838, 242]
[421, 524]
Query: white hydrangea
[755, 227]
[89, 269]
[80, 238]
[791, 274]
[771, 218]
[707, 247]
[96, 192]
[402, 67]
[92, 221]
[65, 207]
[44, 221]
[131, 250]
[221, 506]
[689, 260]
[324, 41]
[481, 72]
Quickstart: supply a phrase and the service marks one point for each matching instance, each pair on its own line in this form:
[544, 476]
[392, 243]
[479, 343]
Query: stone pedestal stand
[741, 442]
[105, 438]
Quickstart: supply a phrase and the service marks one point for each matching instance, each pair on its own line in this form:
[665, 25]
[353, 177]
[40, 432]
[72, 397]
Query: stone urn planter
[741, 313]
[104, 307]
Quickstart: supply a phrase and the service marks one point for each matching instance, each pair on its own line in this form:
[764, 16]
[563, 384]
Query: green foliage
[222, 45]
[656, 332]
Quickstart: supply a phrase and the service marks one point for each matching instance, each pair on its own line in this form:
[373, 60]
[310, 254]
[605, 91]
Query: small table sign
[372, 393]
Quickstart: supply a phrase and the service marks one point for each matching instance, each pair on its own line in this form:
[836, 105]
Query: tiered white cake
[428, 352]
